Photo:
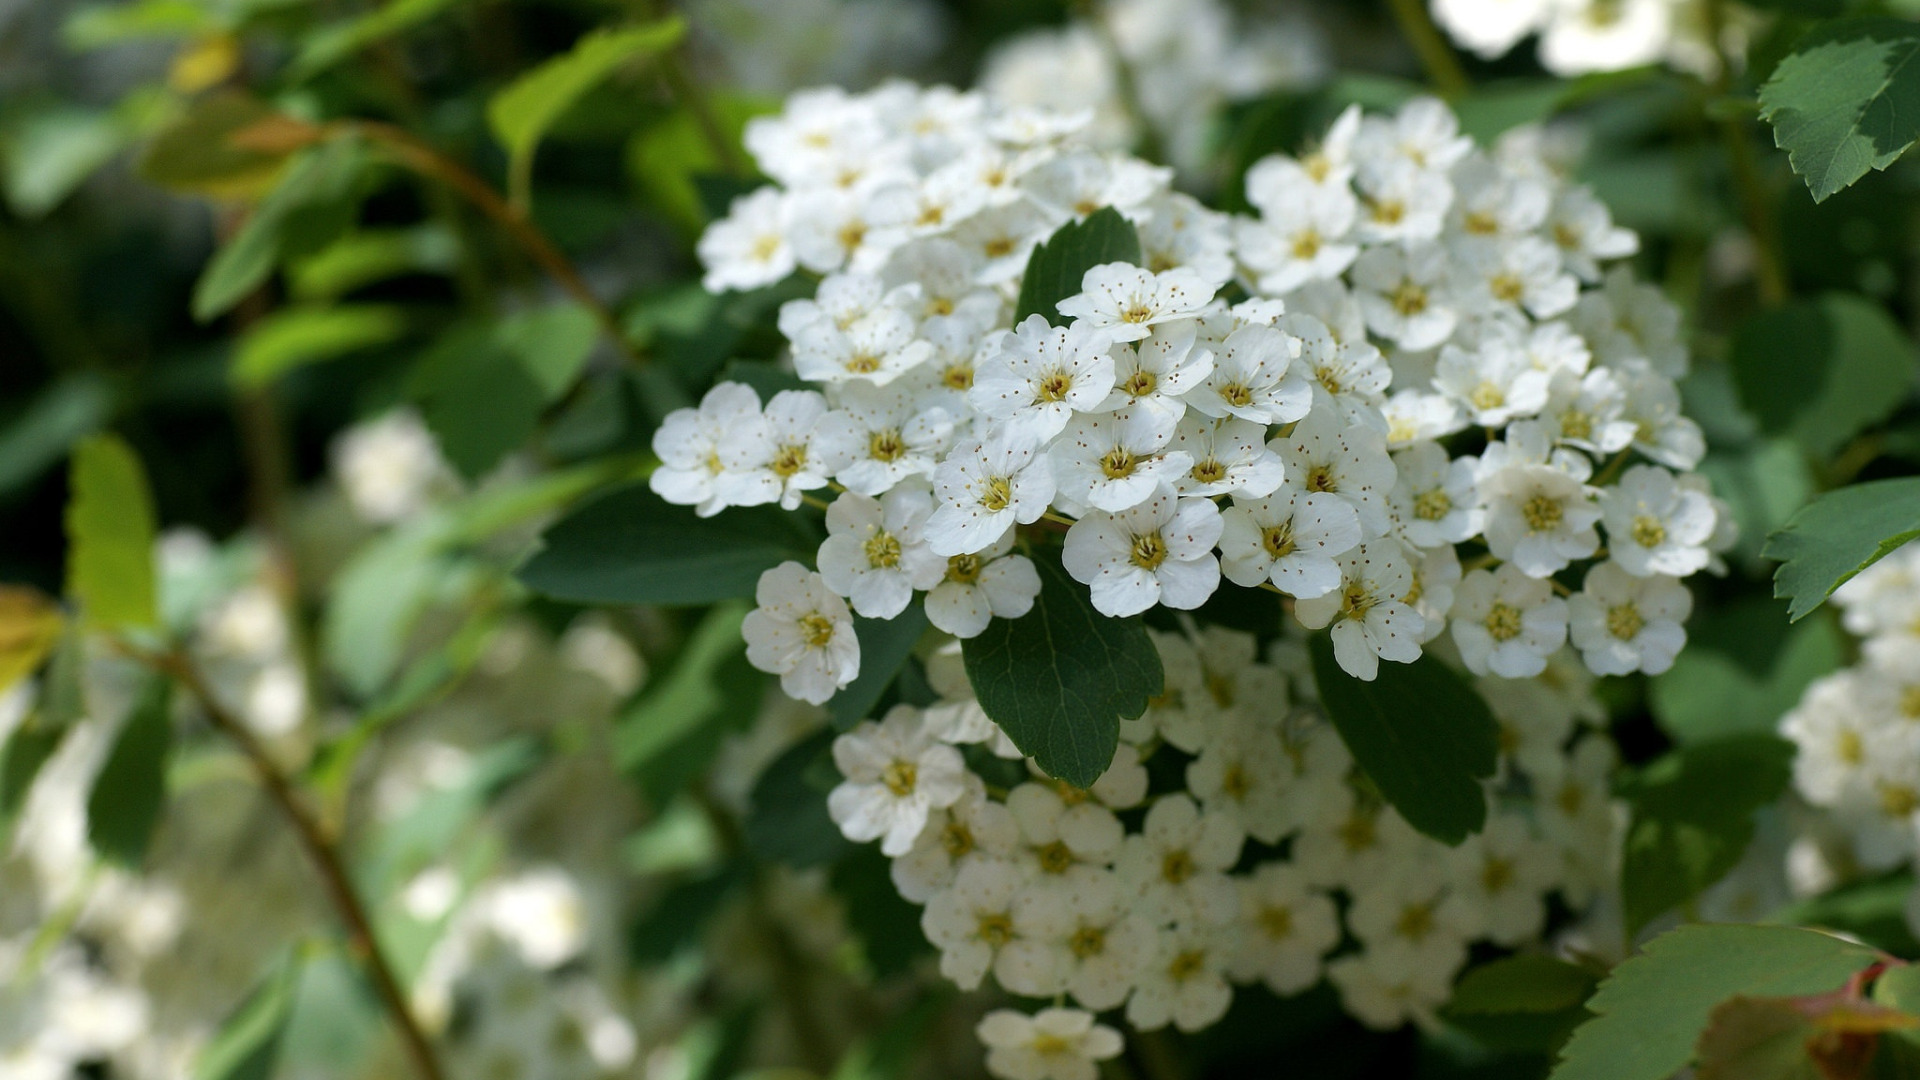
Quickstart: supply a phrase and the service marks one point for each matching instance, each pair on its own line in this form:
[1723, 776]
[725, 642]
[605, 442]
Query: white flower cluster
[1271, 853]
[1185, 60]
[1432, 356]
[1582, 36]
[1858, 729]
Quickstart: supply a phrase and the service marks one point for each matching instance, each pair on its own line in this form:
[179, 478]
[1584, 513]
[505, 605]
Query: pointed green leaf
[1421, 733]
[1060, 678]
[248, 1044]
[1846, 100]
[885, 645]
[1651, 1010]
[110, 533]
[1822, 371]
[131, 791]
[1056, 267]
[295, 337]
[633, 547]
[1838, 535]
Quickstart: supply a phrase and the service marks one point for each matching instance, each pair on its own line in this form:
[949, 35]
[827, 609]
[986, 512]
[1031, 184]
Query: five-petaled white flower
[802, 632]
[875, 555]
[1127, 301]
[897, 773]
[1053, 1044]
[1290, 538]
[1507, 623]
[985, 489]
[1159, 552]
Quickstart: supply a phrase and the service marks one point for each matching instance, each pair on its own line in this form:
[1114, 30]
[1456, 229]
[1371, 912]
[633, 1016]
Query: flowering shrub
[1145, 539]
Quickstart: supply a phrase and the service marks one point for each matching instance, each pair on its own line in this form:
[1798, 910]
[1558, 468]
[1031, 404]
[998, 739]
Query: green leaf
[521, 114]
[53, 151]
[110, 533]
[1756, 1039]
[885, 645]
[1847, 100]
[295, 337]
[322, 176]
[1899, 988]
[787, 819]
[1693, 818]
[675, 923]
[1060, 678]
[1421, 733]
[669, 157]
[678, 724]
[1526, 983]
[1056, 267]
[1651, 1010]
[41, 435]
[424, 833]
[22, 755]
[477, 397]
[210, 150]
[367, 256]
[632, 547]
[104, 24]
[322, 48]
[552, 344]
[247, 1046]
[886, 924]
[1822, 370]
[1873, 910]
[1838, 535]
[131, 791]
[1743, 668]
[30, 627]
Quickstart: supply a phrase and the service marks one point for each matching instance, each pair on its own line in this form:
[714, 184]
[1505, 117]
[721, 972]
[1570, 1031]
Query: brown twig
[320, 848]
[422, 158]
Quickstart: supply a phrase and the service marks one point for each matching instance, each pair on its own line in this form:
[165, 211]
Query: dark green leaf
[477, 397]
[632, 547]
[1651, 1010]
[885, 645]
[887, 925]
[787, 819]
[131, 791]
[1524, 984]
[42, 433]
[1421, 733]
[110, 533]
[32, 743]
[666, 737]
[247, 1046]
[322, 176]
[675, 922]
[1693, 818]
[1838, 535]
[330, 44]
[1899, 988]
[1060, 678]
[1056, 267]
[1822, 370]
[1847, 100]
[297, 336]
[1873, 910]
[1743, 668]
[552, 344]
[199, 154]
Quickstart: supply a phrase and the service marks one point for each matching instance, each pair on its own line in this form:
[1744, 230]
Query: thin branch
[320, 848]
[417, 155]
[1437, 57]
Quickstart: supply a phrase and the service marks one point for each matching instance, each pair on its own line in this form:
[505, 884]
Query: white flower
[774, 460]
[688, 443]
[897, 773]
[1382, 992]
[1127, 301]
[1433, 499]
[974, 828]
[878, 348]
[1605, 35]
[1582, 226]
[1406, 294]
[1287, 928]
[1507, 623]
[1414, 415]
[1178, 862]
[1159, 552]
[1039, 375]
[389, 467]
[1254, 379]
[1508, 277]
[880, 436]
[802, 632]
[1055, 1044]
[1588, 411]
[1230, 456]
[1401, 204]
[1660, 430]
[1151, 377]
[748, 248]
[1502, 875]
[973, 920]
[1495, 202]
[1323, 457]
[1289, 538]
[982, 586]
[1628, 320]
[1241, 770]
[1349, 378]
[1370, 620]
[1412, 917]
[1490, 27]
[1115, 461]
[1424, 135]
[1185, 982]
[1436, 573]
[985, 488]
[1084, 940]
[1540, 511]
[874, 554]
[1301, 235]
[1494, 383]
[1622, 623]
[1063, 836]
[1656, 526]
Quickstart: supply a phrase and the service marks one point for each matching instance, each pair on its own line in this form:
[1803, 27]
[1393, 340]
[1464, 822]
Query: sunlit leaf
[110, 532]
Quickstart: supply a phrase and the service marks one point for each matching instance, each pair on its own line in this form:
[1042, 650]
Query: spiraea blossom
[1396, 396]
